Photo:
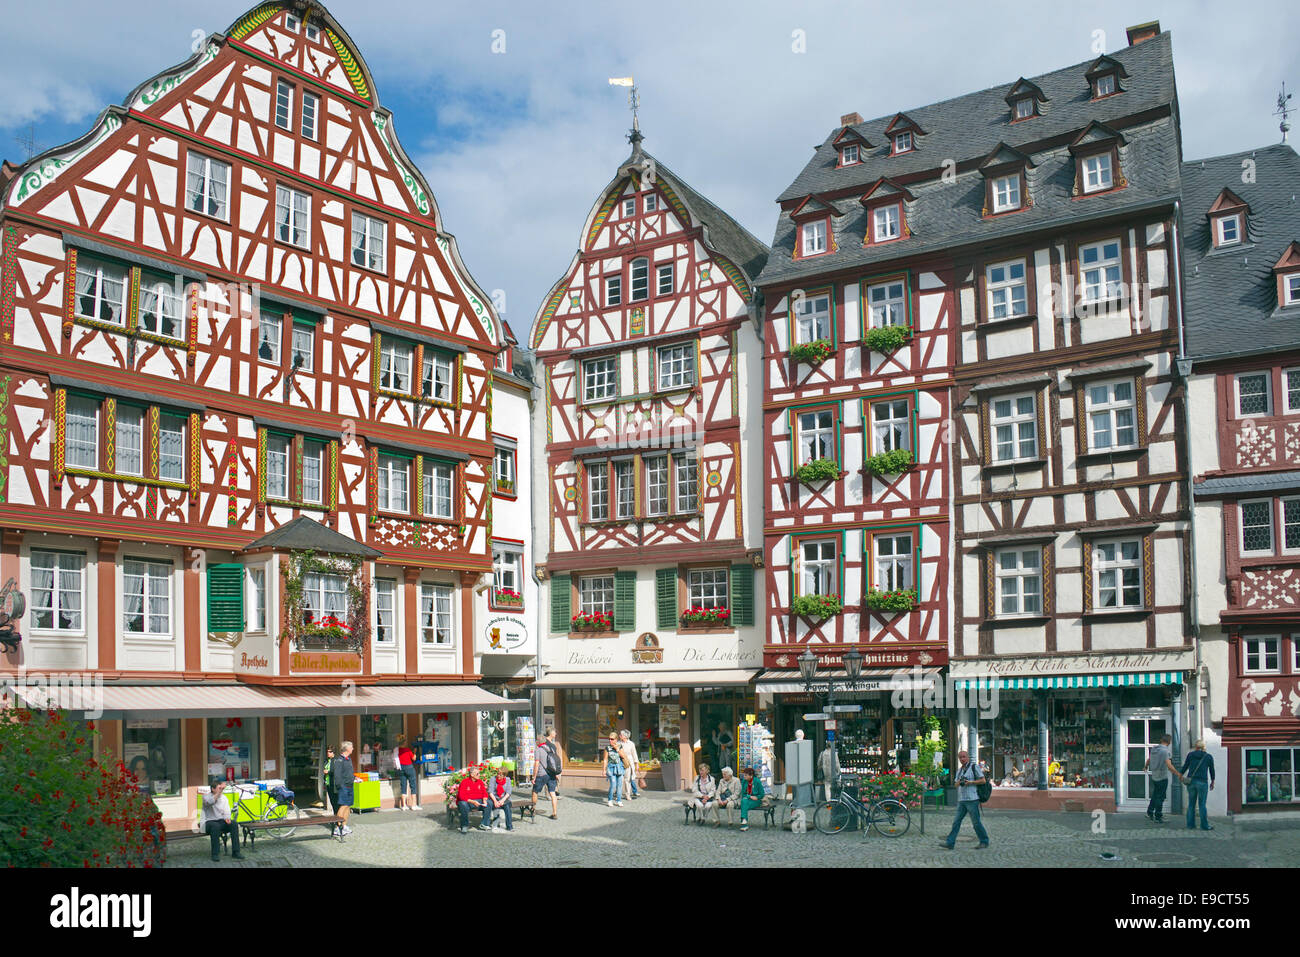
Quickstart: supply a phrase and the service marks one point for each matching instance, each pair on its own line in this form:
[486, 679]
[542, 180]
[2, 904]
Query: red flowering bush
[60, 806]
[907, 788]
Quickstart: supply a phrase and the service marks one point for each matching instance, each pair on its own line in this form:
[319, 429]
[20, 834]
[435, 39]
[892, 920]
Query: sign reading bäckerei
[324, 663]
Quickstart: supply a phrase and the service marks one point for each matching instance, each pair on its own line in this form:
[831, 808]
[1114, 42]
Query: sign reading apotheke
[505, 635]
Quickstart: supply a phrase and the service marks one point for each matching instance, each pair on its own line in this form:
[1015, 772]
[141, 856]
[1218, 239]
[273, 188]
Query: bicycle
[888, 816]
[279, 809]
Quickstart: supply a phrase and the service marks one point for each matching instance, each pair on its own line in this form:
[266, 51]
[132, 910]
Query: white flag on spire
[620, 81]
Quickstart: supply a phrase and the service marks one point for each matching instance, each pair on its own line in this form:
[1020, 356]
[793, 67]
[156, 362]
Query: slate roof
[1230, 294]
[967, 129]
[1249, 484]
[306, 534]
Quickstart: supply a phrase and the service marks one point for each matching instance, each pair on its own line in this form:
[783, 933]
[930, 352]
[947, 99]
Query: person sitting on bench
[217, 820]
[499, 792]
[726, 797]
[701, 796]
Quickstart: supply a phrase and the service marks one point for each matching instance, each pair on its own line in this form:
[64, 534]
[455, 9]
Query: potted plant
[506, 485]
[890, 463]
[818, 470]
[899, 600]
[507, 596]
[813, 353]
[670, 766]
[887, 338]
[706, 616]
[816, 606]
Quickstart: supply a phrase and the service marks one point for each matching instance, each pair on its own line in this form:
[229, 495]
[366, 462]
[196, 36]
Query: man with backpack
[545, 775]
[559, 758]
[973, 789]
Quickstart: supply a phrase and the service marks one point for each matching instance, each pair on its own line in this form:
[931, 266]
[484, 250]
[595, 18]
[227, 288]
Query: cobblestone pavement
[649, 833]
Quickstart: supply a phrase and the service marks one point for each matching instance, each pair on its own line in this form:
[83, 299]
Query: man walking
[969, 776]
[628, 747]
[342, 775]
[1160, 764]
[546, 772]
[1200, 782]
[559, 759]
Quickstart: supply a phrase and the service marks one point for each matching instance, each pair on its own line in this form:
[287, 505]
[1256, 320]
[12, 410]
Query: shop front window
[151, 750]
[378, 737]
[1272, 775]
[1080, 743]
[587, 713]
[440, 732]
[860, 741]
[233, 749]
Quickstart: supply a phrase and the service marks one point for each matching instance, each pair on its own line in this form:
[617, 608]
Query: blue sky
[516, 145]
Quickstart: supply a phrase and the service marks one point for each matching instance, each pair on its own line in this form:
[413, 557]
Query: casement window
[1290, 289]
[1291, 382]
[1019, 574]
[439, 481]
[688, 483]
[147, 597]
[891, 425]
[171, 447]
[708, 588]
[1227, 230]
[1013, 422]
[677, 366]
[395, 360]
[816, 436]
[886, 222]
[600, 379]
[58, 591]
[256, 610]
[130, 440]
[313, 470]
[1024, 107]
[310, 110]
[656, 483]
[1117, 569]
[1257, 527]
[279, 450]
[283, 105]
[394, 481]
[813, 319]
[1112, 415]
[818, 568]
[1254, 394]
[292, 215]
[596, 595]
[1290, 508]
[629, 206]
[1100, 271]
[893, 562]
[1006, 193]
[101, 291]
[160, 308]
[385, 611]
[598, 492]
[437, 375]
[903, 142]
[269, 332]
[368, 235]
[1260, 655]
[82, 444]
[291, 22]
[1272, 776]
[887, 304]
[1098, 173]
[507, 570]
[312, 32]
[1103, 85]
[503, 470]
[624, 489]
[304, 347]
[613, 290]
[849, 155]
[665, 283]
[812, 238]
[324, 594]
[651, 202]
[206, 184]
[297, 470]
[1007, 289]
[640, 278]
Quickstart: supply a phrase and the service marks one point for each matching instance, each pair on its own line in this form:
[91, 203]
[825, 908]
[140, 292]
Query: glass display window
[378, 739]
[860, 745]
[151, 750]
[441, 733]
[585, 711]
[1081, 741]
[234, 749]
[1272, 775]
[1008, 743]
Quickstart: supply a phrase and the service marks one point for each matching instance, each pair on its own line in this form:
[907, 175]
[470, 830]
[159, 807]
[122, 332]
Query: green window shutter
[742, 595]
[624, 601]
[225, 597]
[561, 616]
[666, 598]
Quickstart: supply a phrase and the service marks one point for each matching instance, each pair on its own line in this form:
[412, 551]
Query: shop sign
[255, 655]
[324, 663]
[505, 635]
[647, 650]
[832, 656]
[1074, 664]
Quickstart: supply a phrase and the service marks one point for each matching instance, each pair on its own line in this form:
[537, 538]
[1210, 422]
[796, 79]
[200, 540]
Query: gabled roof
[1290, 259]
[811, 207]
[304, 534]
[1095, 133]
[1230, 298]
[1002, 156]
[884, 188]
[1023, 88]
[1105, 64]
[902, 122]
[1227, 200]
[849, 135]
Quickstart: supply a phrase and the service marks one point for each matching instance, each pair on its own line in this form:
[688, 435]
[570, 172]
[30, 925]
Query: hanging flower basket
[891, 601]
[816, 606]
[813, 353]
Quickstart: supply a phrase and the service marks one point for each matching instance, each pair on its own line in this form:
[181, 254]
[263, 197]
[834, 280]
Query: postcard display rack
[525, 749]
[754, 748]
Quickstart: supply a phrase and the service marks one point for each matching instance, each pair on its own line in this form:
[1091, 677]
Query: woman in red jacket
[472, 794]
[406, 770]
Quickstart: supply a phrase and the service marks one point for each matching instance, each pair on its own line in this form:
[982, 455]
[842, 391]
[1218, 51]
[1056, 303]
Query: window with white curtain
[812, 319]
[385, 610]
[160, 307]
[438, 369]
[58, 582]
[392, 491]
[147, 597]
[257, 599]
[206, 181]
[888, 304]
[171, 448]
[81, 449]
[313, 469]
[438, 481]
[816, 436]
[130, 440]
[101, 291]
[368, 236]
[507, 565]
[269, 331]
[891, 427]
[278, 448]
[395, 358]
[292, 215]
[894, 562]
[325, 594]
[435, 614]
[304, 346]
[818, 568]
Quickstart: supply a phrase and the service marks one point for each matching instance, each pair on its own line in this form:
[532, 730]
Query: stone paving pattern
[649, 832]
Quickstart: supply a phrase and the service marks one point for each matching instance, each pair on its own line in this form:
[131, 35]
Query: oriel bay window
[503, 470]
[111, 438]
[435, 614]
[507, 575]
[58, 591]
[147, 597]
[324, 594]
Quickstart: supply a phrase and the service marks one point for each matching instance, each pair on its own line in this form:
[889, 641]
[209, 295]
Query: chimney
[1142, 32]
[850, 119]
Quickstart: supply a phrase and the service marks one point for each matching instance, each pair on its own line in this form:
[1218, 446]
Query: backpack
[983, 791]
[551, 761]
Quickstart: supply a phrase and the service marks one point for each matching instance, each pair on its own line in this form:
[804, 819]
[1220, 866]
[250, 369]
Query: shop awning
[1133, 680]
[634, 679]
[242, 700]
[791, 682]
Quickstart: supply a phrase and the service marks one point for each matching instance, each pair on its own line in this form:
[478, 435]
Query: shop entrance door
[303, 758]
[1143, 728]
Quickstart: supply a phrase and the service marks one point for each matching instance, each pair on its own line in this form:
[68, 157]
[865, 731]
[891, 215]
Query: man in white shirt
[628, 747]
[217, 820]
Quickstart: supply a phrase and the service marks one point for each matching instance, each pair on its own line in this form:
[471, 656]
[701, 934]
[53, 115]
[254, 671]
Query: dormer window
[1104, 85]
[849, 155]
[1287, 270]
[1006, 193]
[1291, 289]
[1227, 230]
[1024, 108]
[813, 238]
[1006, 185]
[1097, 173]
[1227, 217]
[886, 223]
[903, 142]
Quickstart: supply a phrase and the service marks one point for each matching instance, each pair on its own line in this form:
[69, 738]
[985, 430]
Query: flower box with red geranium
[706, 616]
[592, 621]
[507, 596]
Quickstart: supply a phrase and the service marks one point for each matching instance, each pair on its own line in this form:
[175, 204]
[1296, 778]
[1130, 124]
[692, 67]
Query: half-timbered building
[248, 456]
[648, 505]
[1070, 515]
[1242, 265]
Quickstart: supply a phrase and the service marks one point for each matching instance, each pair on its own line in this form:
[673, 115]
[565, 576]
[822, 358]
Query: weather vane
[633, 102]
[1282, 110]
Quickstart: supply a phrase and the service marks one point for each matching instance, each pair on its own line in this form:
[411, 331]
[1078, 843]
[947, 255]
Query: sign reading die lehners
[324, 663]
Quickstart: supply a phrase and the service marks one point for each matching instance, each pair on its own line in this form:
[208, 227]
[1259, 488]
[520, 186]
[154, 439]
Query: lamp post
[852, 675]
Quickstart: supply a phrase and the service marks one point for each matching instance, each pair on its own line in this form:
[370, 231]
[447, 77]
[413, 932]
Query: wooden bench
[521, 810]
[252, 827]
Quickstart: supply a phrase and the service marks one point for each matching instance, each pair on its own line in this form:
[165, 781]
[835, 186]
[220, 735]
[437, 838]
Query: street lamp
[853, 666]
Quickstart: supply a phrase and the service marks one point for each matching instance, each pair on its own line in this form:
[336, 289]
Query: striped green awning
[1135, 680]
